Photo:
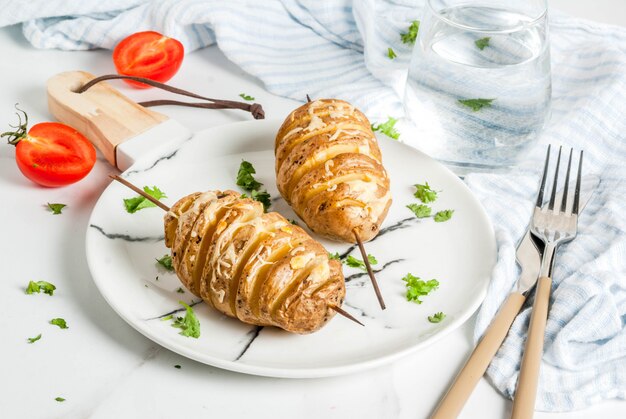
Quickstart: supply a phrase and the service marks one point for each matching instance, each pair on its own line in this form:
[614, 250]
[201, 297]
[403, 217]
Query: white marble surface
[104, 368]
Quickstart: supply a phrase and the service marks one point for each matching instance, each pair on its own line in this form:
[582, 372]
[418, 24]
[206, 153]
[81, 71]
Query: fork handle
[526, 392]
[452, 403]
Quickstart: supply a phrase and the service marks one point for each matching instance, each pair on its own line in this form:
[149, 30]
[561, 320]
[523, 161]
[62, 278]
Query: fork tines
[542, 187]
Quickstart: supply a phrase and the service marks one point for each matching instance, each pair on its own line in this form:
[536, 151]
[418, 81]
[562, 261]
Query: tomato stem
[21, 129]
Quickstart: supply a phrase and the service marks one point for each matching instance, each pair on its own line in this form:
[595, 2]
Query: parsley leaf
[59, 399]
[444, 215]
[246, 97]
[180, 290]
[166, 318]
[35, 339]
[263, 197]
[437, 317]
[388, 128]
[59, 322]
[482, 43]
[420, 210]
[353, 262]
[177, 366]
[139, 202]
[56, 208]
[391, 53]
[189, 325]
[417, 288]
[333, 256]
[39, 286]
[294, 222]
[411, 35]
[166, 262]
[476, 104]
[245, 178]
[424, 193]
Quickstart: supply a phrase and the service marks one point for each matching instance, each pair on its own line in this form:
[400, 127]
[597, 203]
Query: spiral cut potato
[329, 169]
[254, 266]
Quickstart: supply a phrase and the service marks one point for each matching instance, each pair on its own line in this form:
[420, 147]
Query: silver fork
[554, 226]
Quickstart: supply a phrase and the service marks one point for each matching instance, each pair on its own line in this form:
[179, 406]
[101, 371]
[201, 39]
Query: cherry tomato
[52, 154]
[150, 55]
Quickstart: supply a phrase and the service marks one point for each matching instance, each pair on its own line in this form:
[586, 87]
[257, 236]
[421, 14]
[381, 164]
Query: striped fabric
[338, 49]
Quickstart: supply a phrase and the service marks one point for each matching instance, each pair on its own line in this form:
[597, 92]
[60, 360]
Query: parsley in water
[416, 288]
[388, 128]
[137, 203]
[411, 35]
[476, 104]
[391, 53]
[482, 43]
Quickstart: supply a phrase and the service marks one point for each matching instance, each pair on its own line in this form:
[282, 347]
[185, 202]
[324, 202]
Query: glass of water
[478, 88]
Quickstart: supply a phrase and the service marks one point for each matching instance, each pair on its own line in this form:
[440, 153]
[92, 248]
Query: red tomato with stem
[150, 55]
[51, 154]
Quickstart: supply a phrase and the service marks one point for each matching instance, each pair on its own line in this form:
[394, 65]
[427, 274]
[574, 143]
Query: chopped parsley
[416, 288]
[56, 208]
[59, 399]
[353, 262]
[263, 197]
[410, 36]
[391, 53]
[443, 216]
[334, 256]
[39, 286]
[482, 43]
[294, 222]
[177, 366]
[59, 322]
[245, 178]
[388, 128]
[180, 290]
[35, 339]
[437, 317]
[139, 202]
[476, 104]
[420, 210]
[189, 325]
[166, 262]
[424, 193]
[166, 318]
[246, 97]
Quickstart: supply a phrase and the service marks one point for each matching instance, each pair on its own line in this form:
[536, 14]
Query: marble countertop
[103, 367]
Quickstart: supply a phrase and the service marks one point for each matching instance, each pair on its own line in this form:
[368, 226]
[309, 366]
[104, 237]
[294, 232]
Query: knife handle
[526, 392]
[102, 114]
[454, 400]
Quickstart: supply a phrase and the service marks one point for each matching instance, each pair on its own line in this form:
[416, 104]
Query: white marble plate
[460, 253]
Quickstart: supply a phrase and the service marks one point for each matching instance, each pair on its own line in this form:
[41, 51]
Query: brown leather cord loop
[254, 108]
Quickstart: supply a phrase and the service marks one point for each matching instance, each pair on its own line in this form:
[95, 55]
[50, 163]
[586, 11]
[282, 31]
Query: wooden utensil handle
[102, 114]
[454, 400]
[526, 392]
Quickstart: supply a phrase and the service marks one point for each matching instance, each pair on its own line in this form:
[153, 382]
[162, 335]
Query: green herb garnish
[166, 318]
[59, 322]
[189, 325]
[476, 104]
[177, 366]
[139, 202]
[391, 53]
[59, 399]
[482, 43]
[411, 35]
[388, 128]
[294, 222]
[444, 215]
[424, 193]
[180, 290]
[437, 317]
[420, 210]
[417, 288]
[334, 256]
[353, 262]
[245, 96]
[39, 286]
[245, 178]
[263, 197]
[56, 208]
[166, 262]
[35, 339]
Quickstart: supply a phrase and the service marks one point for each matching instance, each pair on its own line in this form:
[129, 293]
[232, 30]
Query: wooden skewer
[370, 272]
[140, 192]
[166, 208]
[308, 99]
[345, 314]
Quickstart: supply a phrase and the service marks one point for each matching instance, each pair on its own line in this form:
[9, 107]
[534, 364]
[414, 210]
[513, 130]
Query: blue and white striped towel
[338, 49]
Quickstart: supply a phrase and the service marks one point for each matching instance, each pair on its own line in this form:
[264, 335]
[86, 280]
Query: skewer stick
[345, 314]
[140, 192]
[308, 99]
[370, 272]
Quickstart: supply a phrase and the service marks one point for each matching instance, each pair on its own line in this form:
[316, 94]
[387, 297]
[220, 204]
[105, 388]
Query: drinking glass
[478, 88]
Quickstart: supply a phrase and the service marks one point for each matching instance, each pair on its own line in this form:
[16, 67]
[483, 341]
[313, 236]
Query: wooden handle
[102, 114]
[454, 400]
[526, 392]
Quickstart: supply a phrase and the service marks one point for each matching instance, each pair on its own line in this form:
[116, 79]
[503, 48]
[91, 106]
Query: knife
[528, 256]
